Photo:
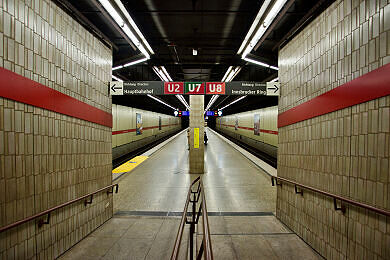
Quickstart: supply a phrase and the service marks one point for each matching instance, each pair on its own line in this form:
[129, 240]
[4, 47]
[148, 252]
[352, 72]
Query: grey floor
[240, 200]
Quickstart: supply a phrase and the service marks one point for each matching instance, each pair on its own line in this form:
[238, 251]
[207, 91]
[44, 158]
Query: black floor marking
[178, 214]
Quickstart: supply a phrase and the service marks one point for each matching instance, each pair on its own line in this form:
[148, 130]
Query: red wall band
[21, 89]
[133, 130]
[252, 129]
[373, 85]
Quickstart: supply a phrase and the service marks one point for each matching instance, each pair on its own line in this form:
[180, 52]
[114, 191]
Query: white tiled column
[196, 122]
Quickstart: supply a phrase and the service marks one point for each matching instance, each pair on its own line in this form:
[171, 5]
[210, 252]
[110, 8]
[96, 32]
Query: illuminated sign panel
[194, 88]
[215, 88]
[173, 88]
[239, 88]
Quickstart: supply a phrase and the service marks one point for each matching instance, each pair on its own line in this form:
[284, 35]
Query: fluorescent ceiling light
[261, 63]
[135, 27]
[231, 73]
[135, 62]
[235, 101]
[165, 72]
[118, 19]
[275, 80]
[254, 25]
[211, 102]
[194, 52]
[182, 100]
[278, 5]
[116, 78]
[162, 102]
[227, 73]
[162, 73]
[129, 64]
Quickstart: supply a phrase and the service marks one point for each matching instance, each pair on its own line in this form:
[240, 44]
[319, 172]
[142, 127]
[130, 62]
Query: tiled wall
[346, 152]
[48, 158]
[268, 121]
[196, 121]
[124, 118]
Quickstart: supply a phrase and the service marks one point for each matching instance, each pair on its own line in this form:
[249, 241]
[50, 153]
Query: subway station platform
[147, 209]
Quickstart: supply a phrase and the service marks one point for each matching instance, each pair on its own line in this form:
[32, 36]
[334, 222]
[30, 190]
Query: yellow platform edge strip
[130, 164]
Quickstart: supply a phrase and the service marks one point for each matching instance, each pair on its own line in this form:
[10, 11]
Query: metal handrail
[205, 246]
[110, 189]
[334, 196]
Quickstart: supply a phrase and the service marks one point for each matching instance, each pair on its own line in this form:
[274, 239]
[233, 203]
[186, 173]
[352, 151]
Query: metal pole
[192, 228]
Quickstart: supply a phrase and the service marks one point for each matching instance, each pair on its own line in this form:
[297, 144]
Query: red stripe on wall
[133, 130]
[27, 91]
[123, 131]
[370, 86]
[252, 129]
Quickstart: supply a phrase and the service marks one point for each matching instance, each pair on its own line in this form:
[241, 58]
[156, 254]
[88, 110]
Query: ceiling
[215, 28]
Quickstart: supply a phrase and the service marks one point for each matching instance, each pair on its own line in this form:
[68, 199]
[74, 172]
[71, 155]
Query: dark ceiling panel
[216, 28]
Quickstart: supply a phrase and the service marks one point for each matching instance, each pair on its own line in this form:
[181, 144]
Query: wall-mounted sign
[238, 88]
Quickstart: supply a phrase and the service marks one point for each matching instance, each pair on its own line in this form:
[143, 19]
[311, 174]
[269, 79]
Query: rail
[110, 189]
[205, 247]
[299, 190]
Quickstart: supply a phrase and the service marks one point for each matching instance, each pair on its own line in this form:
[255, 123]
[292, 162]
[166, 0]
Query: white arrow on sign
[273, 88]
[116, 88]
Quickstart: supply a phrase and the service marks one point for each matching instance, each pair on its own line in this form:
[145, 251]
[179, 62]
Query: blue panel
[185, 113]
[209, 113]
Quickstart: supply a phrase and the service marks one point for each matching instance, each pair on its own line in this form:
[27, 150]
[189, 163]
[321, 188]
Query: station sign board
[173, 88]
[238, 88]
[194, 88]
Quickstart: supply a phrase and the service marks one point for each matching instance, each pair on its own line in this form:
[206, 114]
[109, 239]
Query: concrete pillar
[196, 134]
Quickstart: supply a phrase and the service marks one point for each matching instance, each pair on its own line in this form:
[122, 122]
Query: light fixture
[176, 112]
[116, 78]
[162, 102]
[162, 73]
[267, 21]
[235, 101]
[182, 100]
[261, 63]
[274, 80]
[211, 102]
[125, 28]
[231, 73]
[194, 52]
[254, 25]
[130, 63]
[133, 25]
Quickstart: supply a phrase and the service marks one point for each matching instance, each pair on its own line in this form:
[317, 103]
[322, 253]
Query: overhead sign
[194, 88]
[246, 88]
[116, 88]
[173, 88]
[273, 88]
[215, 88]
